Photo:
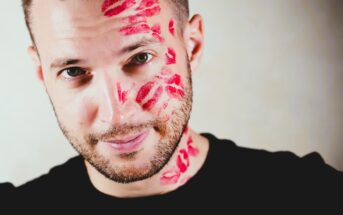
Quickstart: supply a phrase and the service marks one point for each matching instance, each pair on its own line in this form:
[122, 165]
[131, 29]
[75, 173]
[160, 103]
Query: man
[118, 74]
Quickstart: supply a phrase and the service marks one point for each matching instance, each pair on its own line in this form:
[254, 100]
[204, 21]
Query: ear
[194, 40]
[32, 51]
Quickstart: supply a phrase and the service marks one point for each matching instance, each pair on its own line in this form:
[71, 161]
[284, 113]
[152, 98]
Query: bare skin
[117, 71]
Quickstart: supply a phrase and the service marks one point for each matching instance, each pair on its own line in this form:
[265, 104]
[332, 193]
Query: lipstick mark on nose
[122, 94]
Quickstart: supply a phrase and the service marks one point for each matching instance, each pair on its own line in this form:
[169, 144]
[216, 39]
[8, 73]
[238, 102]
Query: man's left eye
[141, 58]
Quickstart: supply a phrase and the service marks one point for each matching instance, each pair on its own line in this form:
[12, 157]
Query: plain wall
[271, 78]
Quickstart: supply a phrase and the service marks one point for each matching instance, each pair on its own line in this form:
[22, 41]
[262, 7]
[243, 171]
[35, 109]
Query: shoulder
[265, 164]
[260, 175]
[56, 179]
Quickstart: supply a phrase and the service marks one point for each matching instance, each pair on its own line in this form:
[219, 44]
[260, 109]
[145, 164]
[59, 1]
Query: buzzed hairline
[179, 7]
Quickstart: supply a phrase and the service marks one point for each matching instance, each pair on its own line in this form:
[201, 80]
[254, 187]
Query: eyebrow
[145, 41]
[64, 62]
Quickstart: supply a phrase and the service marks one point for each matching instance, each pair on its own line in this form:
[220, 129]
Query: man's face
[118, 77]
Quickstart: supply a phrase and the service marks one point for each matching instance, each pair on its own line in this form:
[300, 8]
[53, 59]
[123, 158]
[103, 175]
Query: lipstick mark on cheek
[171, 56]
[152, 102]
[118, 9]
[174, 93]
[172, 27]
[144, 91]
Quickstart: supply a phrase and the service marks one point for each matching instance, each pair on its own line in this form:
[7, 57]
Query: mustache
[126, 129]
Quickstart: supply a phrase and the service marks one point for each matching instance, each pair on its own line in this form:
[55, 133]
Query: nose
[111, 101]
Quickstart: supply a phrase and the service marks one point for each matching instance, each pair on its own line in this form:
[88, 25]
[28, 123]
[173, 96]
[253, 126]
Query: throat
[184, 164]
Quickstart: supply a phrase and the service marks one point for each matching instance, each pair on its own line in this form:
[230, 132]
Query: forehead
[88, 19]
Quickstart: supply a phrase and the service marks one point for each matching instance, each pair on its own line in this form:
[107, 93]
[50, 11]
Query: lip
[128, 144]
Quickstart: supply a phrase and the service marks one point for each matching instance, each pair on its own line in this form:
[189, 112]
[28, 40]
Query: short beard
[171, 133]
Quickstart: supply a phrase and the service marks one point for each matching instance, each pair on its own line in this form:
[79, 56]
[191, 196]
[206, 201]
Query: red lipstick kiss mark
[193, 151]
[171, 56]
[134, 19]
[175, 79]
[144, 91]
[172, 27]
[147, 3]
[170, 177]
[107, 4]
[122, 95]
[186, 130]
[174, 93]
[150, 12]
[183, 160]
[138, 29]
[151, 103]
[118, 9]
[156, 32]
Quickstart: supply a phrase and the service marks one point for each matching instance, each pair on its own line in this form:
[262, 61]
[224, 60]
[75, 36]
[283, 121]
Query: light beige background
[272, 78]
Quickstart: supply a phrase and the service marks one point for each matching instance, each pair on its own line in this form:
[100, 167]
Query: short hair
[180, 8]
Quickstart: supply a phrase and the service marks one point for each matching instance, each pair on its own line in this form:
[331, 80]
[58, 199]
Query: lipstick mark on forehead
[147, 3]
[109, 12]
[150, 12]
[156, 32]
[137, 29]
[108, 3]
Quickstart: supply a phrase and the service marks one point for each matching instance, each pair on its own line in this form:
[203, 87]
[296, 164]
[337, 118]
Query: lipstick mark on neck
[172, 27]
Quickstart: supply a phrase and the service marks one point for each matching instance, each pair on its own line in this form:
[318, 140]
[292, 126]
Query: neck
[186, 161]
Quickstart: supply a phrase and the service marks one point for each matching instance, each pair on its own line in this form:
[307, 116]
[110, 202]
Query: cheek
[165, 88]
[76, 111]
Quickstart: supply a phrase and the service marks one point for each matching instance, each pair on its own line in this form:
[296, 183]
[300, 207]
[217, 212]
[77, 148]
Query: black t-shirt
[232, 178]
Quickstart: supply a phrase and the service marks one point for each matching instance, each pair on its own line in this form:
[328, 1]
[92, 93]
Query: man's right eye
[73, 73]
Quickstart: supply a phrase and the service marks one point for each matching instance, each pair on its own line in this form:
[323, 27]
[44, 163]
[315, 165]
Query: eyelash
[131, 62]
[72, 78]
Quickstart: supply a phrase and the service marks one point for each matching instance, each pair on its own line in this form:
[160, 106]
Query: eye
[73, 72]
[140, 59]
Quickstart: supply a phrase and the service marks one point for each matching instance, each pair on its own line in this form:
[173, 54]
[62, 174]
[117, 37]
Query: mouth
[128, 144]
